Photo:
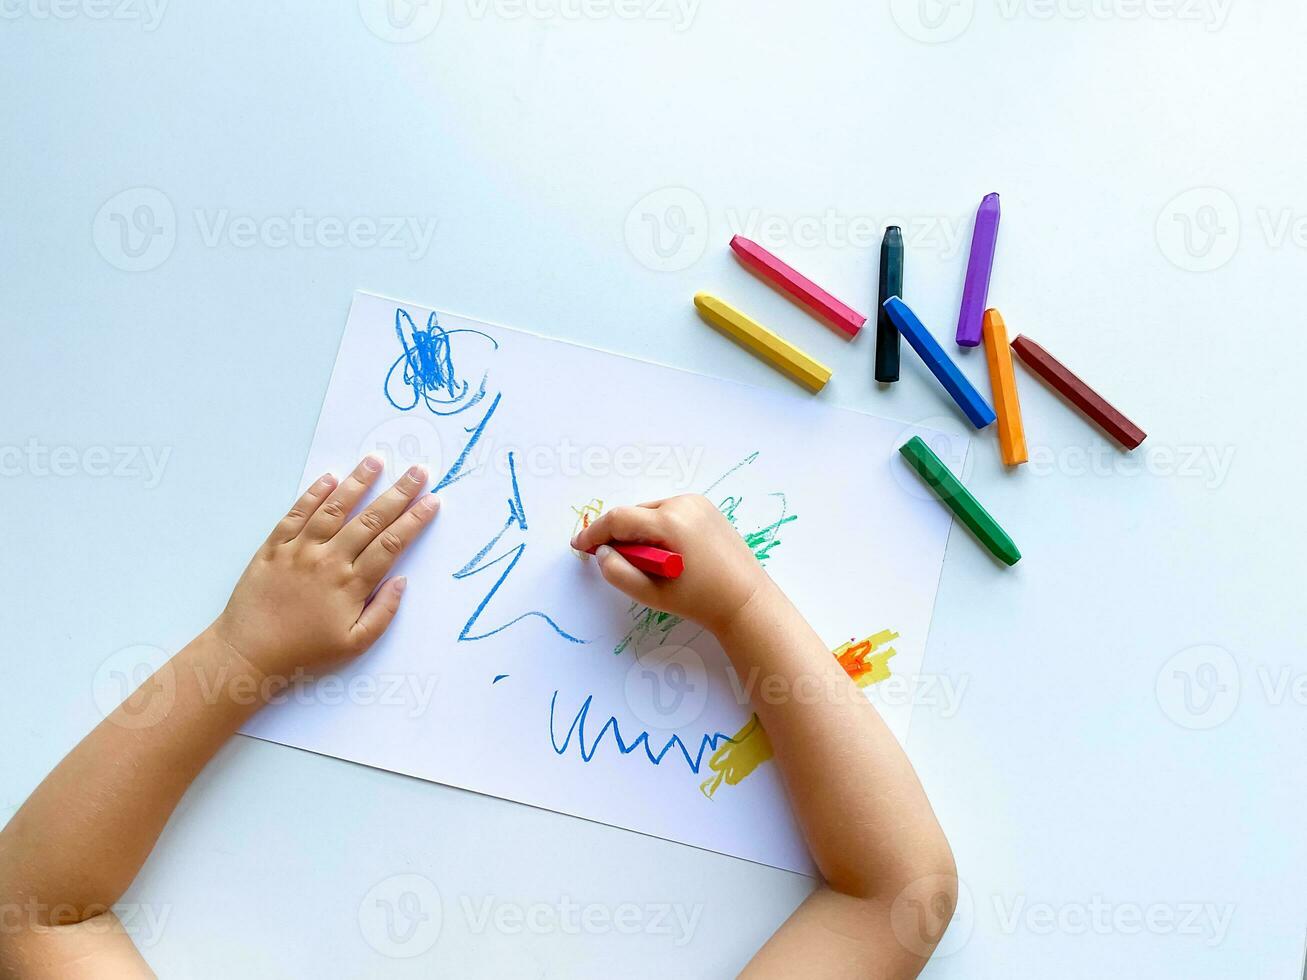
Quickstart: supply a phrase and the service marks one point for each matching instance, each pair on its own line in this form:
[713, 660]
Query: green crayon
[959, 500]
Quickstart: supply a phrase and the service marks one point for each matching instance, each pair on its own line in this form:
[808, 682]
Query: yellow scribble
[749, 747]
[584, 515]
[861, 662]
[746, 751]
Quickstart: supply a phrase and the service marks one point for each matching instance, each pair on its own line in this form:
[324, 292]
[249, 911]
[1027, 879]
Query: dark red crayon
[1093, 405]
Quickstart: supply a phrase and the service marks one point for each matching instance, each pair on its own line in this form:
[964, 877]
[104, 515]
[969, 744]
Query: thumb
[624, 576]
[378, 614]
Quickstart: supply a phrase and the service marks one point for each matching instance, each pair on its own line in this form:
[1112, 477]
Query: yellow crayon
[1011, 433]
[780, 354]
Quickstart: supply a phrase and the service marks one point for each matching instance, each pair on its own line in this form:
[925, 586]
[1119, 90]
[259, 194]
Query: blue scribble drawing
[428, 374]
[456, 472]
[692, 760]
[516, 518]
[425, 374]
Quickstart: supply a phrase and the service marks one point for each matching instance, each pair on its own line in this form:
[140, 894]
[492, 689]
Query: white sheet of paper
[506, 636]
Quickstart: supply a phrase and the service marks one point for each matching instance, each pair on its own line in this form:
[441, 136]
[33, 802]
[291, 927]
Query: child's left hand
[303, 601]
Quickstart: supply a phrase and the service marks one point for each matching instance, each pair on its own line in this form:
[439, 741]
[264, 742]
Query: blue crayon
[928, 349]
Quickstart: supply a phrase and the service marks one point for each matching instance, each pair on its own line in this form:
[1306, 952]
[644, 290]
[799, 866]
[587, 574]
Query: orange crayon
[1011, 433]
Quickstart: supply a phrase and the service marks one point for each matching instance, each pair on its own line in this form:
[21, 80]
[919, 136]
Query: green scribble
[762, 542]
[648, 622]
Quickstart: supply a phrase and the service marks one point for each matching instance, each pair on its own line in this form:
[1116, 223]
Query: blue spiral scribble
[425, 371]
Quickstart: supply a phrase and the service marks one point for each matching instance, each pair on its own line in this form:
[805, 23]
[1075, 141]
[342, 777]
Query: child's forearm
[76, 844]
[866, 818]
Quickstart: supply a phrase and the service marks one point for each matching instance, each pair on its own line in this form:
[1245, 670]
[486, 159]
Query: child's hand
[303, 600]
[721, 573]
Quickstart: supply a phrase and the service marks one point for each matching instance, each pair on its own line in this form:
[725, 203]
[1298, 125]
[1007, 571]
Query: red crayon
[650, 560]
[797, 285]
[1093, 405]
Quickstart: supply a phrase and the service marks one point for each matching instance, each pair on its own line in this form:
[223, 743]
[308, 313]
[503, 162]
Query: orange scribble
[746, 751]
[861, 661]
[584, 515]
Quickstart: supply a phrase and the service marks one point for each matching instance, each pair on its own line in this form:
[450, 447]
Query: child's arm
[890, 878]
[302, 606]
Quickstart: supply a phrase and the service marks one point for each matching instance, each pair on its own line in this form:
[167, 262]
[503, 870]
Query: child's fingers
[329, 518]
[377, 614]
[380, 514]
[377, 558]
[291, 525]
[621, 524]
[624, 576]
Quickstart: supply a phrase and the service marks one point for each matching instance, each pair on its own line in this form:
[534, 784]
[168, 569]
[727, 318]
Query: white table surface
[1103, 825]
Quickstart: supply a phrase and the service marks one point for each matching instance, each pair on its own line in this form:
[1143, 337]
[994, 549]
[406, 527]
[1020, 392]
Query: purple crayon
[975, 292]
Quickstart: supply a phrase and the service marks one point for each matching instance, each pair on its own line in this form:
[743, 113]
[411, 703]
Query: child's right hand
[721, 574]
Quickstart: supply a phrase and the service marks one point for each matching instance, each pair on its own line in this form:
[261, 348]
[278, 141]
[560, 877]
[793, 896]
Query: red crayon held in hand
[650, 560]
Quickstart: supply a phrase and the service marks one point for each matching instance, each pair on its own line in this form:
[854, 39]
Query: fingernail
[326, 478]
[575, 539]
[603, 551]
[373, 463]
[430, 502]
[401, 584]
[418, 474]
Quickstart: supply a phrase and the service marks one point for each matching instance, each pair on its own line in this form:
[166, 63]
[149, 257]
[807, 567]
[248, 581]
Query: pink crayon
[975, 291]
[798, 286]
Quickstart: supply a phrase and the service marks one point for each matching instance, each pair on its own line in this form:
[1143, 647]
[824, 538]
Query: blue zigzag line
[694, 762]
